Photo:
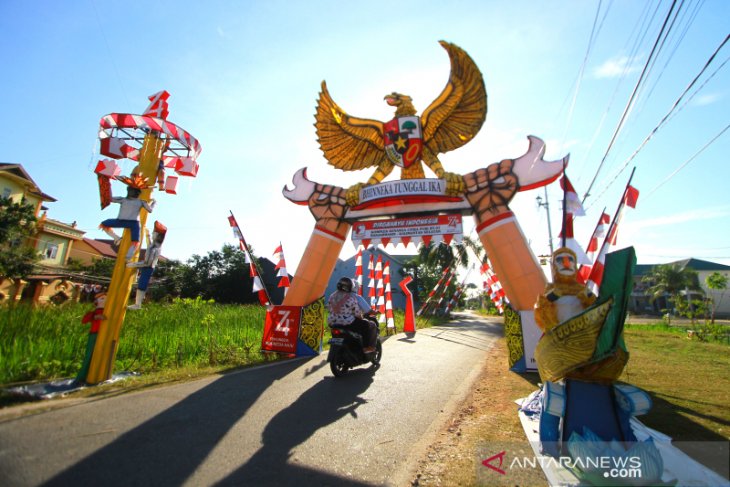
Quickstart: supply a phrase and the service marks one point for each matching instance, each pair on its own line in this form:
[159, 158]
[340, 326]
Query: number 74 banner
[294, 329]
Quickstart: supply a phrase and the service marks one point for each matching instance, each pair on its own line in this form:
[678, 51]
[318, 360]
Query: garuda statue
[450, 121]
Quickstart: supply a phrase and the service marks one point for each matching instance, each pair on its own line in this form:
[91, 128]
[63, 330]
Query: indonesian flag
[234, 226]
[630, 198]
[282, 274]
[573, 208]
[572, 201]
[599, 232]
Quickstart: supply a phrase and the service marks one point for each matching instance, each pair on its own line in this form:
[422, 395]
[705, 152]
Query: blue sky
[244, 77]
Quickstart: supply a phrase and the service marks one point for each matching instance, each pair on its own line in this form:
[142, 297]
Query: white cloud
[615, 67]
[707, 99]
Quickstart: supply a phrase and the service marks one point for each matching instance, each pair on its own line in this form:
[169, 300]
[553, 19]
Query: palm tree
[670, 279]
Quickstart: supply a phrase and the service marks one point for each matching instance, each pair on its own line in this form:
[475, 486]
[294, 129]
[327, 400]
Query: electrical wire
[632, 98]
[673, 109]
[685, 163]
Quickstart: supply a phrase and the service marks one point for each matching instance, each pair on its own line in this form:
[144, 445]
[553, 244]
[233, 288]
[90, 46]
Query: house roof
[104, 247]
[701, 265]
[19, 172]
[692, 263]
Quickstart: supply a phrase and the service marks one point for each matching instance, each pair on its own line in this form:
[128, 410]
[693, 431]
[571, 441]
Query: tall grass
[49, 342]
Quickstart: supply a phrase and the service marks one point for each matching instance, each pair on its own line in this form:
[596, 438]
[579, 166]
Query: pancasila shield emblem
[403, 139]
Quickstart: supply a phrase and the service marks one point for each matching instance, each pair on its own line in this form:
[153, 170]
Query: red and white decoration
[380, 294]
[358, 271]
[427, 229]
[409, 321]
[258, 285]
[389, 320]
[572, 208]
[111, 144]
[629, 198]
[371, 280]
[281, 268]
[108, 168]
[493, 287]
[433, 292]
[599, 232]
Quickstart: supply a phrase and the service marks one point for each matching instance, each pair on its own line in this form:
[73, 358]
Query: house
[55, 242]
[641, 303]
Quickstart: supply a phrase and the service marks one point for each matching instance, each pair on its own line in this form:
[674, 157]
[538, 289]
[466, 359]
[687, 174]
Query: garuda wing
[349, 143]
[456, 116]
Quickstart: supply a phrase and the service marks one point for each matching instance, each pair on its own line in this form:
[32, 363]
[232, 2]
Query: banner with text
[437, 228]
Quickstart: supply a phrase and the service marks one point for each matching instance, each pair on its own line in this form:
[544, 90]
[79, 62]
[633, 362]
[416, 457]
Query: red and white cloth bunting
[281, 268]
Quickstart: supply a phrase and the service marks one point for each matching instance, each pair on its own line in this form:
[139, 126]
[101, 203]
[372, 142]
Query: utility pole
[547, 210]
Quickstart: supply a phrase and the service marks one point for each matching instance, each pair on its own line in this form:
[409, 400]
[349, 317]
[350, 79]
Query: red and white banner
[438, 228]
[281, 329]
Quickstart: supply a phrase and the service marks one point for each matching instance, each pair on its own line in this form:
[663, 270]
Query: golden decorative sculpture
[450, 121]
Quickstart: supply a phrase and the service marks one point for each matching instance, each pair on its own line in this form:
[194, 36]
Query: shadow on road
[326, 402]
[167, 449]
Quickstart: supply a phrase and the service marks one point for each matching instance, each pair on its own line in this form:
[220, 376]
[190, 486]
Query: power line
[688, 160]
[673, 110]
[632, 98]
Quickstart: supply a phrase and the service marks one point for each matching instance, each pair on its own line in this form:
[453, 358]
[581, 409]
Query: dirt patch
[485, 424]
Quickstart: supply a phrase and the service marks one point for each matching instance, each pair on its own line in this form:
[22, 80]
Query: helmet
[346, 284]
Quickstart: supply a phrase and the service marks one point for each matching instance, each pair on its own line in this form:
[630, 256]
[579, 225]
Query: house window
[6, 192]
[51, 251]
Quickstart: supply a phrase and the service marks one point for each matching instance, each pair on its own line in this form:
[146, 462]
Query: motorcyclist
[346, 309]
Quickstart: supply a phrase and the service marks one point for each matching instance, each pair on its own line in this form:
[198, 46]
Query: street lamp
[547, 210]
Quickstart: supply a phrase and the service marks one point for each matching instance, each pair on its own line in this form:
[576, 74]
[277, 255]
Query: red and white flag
[630, 198]
[280, 267]
[599, 232]
[572, 202]
[258, 285]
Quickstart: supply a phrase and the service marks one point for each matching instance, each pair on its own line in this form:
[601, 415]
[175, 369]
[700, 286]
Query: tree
[17, 224]
[716, 282]
[670, 279]
[428, 266]
[220, 275]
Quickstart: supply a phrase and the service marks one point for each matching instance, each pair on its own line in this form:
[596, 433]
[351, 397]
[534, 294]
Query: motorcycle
[346, 350]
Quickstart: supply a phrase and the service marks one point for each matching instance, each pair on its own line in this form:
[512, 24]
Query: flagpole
[565, 206]
[609, 234]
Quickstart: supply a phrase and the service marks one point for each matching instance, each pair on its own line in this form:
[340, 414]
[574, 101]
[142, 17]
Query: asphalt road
[288, 423]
